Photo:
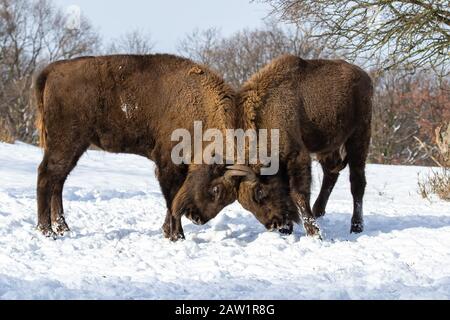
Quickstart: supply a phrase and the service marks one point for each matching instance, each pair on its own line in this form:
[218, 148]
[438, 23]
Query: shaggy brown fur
[128, 104]
[321, 107]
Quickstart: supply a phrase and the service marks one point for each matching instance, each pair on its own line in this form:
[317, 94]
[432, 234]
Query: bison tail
[39, 87]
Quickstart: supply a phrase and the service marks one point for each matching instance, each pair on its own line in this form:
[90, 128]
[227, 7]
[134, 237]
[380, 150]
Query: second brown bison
[321, 107]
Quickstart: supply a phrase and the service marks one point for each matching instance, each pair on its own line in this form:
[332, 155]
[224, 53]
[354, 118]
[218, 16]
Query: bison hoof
[46, 230]
[60, 227]
[357, 227]
[317, 212]
[172, 235]
[177, 236]
[312, 229]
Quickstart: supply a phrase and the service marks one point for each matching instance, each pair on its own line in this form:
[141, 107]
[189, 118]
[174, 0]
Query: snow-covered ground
[116, 250]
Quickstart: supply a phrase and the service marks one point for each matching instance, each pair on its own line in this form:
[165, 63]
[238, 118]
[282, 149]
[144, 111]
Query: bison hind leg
[43, 191]
[58, 162]
[357, 148]
[332, 164]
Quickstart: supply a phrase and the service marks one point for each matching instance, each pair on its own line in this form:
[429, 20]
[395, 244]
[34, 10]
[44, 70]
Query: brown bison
[132, 104]
[321, 107]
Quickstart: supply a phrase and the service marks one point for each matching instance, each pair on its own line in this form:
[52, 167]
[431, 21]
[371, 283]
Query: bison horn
[241, 171]
[235, 173]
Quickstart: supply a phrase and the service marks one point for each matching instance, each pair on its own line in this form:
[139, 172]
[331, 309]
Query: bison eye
[259, 194]
[215, 191]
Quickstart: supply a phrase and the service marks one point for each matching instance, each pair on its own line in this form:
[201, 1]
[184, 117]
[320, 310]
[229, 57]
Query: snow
[116, 250]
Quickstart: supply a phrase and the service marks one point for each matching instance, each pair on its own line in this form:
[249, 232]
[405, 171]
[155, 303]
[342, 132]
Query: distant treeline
[411, 101]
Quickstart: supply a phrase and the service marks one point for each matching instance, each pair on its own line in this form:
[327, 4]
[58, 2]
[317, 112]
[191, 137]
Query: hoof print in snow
[357, 228]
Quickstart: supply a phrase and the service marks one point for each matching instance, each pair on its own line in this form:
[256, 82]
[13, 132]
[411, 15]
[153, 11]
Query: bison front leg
[171, 179]
[301, 199]
[176, 229]
[299, 170]
[166, 226]
[172, 228]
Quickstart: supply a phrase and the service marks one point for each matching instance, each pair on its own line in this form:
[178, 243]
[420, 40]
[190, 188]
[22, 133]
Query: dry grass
[438, 182]
[4, 134]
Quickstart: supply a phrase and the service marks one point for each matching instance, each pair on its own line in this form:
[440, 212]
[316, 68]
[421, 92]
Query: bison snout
[196, 219]
[273, 225]
[281, 226]
[287, 228]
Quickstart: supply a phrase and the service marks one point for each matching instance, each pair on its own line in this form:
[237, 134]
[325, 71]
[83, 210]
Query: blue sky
[169, 20]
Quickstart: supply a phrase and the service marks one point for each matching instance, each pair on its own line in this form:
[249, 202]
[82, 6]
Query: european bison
[131, 104]
[321, 107]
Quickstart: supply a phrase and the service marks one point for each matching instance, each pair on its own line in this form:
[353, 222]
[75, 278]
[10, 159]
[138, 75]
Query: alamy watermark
[231, 149]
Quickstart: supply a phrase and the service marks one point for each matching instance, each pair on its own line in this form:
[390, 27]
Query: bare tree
[407, 108]
[134, 42]
[32, 33]
[243, 53]
[395, 32]
[201, 46]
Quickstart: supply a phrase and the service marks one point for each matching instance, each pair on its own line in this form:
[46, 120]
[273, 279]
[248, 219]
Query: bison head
[205, 192]
[268, 198]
